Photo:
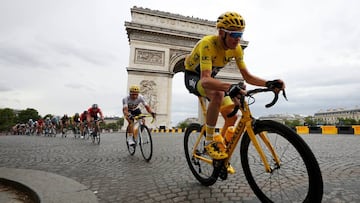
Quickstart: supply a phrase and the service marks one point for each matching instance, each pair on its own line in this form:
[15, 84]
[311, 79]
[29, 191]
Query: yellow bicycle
[279, 166]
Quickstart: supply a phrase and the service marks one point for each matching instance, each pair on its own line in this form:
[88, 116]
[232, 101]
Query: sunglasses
[234, 34]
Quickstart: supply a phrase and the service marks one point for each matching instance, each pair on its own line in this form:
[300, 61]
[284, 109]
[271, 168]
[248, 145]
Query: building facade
[332, 116]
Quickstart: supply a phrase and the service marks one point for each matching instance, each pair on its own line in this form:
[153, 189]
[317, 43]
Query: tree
[120, 122]
[182, 125]
[7, 119]
[293, 123]
[113, 126]
[310, 121]
[347, 121]
[26, 114]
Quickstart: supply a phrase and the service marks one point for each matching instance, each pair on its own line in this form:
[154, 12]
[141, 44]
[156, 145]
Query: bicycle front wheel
[145, 143]
[131, 148]
[97, 137]
[296, 179]
[204, 172]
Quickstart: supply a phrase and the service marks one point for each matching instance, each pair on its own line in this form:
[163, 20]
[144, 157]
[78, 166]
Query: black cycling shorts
[135, 112]
[191, 80]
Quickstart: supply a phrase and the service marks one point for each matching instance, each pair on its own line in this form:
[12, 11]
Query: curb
[47, 187]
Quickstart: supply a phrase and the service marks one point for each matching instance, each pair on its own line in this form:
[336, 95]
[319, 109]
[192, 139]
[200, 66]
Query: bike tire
[204, 172]
[86, 134]
[97, 137]
[145, 142]
[297, 179]
[131, 149]
[92, 137]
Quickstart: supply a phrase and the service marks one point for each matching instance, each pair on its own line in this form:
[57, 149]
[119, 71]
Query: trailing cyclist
[131, 108]
[76, 123]
[83, 122]
[93, 115]
[64, 124]
[207, 58]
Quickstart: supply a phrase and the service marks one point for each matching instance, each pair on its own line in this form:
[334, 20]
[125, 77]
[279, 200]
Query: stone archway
[159, 42]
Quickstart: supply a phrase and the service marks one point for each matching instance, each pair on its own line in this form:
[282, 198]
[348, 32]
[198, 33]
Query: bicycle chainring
[220, 165]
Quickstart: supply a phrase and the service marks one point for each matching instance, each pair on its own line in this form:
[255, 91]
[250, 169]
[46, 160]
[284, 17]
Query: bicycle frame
[244, 125]
[139, 120]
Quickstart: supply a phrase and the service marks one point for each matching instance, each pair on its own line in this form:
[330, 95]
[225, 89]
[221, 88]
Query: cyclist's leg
[96, 127]
[217, 148]
[135, 112]
[193, 84]
[130, 133]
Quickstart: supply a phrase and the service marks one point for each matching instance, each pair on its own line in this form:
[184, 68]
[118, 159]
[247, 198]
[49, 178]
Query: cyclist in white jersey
[131, 108]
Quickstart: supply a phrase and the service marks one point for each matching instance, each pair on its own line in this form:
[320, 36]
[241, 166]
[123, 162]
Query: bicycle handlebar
[141, 116]
[250, 93]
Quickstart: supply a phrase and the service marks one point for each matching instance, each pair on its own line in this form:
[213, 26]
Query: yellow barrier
[179, 130]
[329, 130]
[356, 129]
[302, 129]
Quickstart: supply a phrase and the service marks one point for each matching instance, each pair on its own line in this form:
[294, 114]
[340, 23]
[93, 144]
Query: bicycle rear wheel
[204, 172]
[297, 179]
[132, 148]
[145, 143]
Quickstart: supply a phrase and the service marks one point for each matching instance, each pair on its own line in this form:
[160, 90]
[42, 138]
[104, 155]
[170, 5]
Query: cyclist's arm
[251, 79]
[208, 82]
[126, 113]
[101, 114]
[148, 109]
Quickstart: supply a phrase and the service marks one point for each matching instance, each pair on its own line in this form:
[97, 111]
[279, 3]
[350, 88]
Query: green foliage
[182, 125]
[293, 123]
[25, 115]
[120, 122]
[310, 121]
[7, 119]
[348, 121]
[113, 126]
[102, 125]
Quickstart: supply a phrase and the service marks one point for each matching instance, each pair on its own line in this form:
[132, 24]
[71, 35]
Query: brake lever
[284, 94]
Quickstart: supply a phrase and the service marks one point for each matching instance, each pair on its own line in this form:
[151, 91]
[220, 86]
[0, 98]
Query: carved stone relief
[148, 90]
[152, 57]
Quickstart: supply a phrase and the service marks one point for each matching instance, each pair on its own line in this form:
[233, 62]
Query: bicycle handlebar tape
[227, 104]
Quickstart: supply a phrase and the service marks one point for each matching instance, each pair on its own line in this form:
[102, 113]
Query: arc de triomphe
[159, 42]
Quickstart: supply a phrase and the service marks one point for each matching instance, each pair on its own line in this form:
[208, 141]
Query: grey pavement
[63, 168]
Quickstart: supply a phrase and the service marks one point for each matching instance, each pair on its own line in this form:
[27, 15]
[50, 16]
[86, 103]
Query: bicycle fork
[259, 149]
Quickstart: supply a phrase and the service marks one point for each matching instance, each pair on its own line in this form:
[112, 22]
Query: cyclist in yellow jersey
[207, 58]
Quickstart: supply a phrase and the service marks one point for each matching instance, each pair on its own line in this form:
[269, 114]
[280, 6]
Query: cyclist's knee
[216, 97]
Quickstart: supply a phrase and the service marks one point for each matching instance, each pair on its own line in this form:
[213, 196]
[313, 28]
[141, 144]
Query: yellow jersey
[208, 54]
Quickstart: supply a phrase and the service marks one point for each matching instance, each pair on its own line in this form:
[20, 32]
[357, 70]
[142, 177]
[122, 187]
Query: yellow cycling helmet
[134, 89]
[230, 20]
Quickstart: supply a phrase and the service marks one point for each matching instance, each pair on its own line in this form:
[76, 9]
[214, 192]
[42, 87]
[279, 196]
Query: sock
[209, 133]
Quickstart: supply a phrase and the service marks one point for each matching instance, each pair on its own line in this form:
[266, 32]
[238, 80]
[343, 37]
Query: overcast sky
[61, 56]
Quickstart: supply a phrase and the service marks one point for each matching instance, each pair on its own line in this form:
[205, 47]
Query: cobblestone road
[115, 176]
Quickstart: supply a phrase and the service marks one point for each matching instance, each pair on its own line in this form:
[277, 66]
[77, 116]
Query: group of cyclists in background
[50, 126]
